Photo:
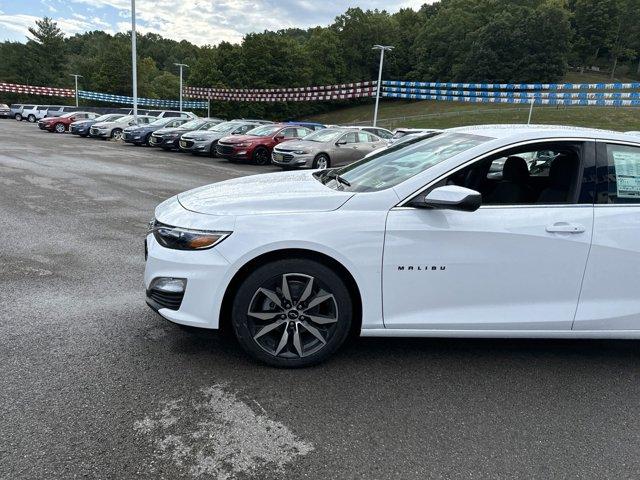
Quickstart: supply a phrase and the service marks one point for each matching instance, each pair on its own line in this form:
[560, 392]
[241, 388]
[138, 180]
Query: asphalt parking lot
[94, 384]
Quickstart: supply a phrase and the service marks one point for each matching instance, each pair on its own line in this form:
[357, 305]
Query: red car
[256, 144]
[61, 124]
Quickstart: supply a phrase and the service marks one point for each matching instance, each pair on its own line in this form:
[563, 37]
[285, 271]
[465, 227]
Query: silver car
[330, 147]
[204, 141]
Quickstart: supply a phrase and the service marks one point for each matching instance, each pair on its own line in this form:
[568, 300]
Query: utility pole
[76, 77]
[382, 49]
[181, 65]
[134, 61]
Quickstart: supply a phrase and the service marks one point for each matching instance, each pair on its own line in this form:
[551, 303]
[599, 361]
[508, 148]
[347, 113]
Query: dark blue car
[82, 127]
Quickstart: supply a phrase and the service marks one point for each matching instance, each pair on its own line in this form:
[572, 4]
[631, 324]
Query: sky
[201, 22]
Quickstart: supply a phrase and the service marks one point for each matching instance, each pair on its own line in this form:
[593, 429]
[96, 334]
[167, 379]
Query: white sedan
[420, 241]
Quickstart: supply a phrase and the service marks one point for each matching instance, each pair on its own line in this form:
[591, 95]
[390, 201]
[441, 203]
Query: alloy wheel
[117, 134]
[322, 162]
[292, 315]
[261, 156]
[59, 128]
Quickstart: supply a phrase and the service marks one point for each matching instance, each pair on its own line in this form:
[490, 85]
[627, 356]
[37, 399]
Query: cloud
[200, 21]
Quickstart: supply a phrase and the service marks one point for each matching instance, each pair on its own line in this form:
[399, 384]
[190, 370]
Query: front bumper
[94, 132]
[76, 130]
[163, 142]
[290, 159]
[205, 272]
[233, 153]
[131, 137]
[189, 145]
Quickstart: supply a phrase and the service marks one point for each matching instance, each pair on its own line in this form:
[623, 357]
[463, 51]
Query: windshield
[192, 124]
[264, 131]
[396, 164]
[225, 126]
[325, 135]
[162, 121]
[110, 117]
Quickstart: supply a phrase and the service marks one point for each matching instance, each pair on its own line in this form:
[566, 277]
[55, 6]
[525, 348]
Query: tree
[46, 53]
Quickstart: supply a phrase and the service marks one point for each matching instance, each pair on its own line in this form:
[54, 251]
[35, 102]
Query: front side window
[543, 174]
[397, 164]
[621, 179]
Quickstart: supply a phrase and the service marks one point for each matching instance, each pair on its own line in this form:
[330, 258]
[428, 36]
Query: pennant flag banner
[536, 101]
[147, 102]
[209, 92]
[525, 95]
[514, 86]
[33, 90]
[292, 94]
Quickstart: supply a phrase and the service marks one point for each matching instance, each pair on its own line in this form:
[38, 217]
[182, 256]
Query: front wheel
[292, 313]
[321, 161]
[59, 128]
[18, 117]
[261, 156]
[116, 134]
[31, 118]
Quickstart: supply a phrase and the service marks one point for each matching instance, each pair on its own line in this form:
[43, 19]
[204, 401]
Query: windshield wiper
[332, 174]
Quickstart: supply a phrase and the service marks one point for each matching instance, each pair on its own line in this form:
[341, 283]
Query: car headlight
[179, 238]
[241, 145]
[300, 152]
[199, 139]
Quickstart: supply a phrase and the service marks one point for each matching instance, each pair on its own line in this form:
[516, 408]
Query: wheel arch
[224, 323]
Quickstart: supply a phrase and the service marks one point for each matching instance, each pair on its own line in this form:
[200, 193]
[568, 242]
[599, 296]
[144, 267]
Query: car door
[346, 149]
[609, 300]
[516, 263]
[367, 143]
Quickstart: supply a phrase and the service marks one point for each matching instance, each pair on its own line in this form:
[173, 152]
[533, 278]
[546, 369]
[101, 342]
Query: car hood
[83, 122]
[292, 145]
[49, 119]
[269, 193]
[205, 134]
[165, 131]
[242, 138]
[107, 124]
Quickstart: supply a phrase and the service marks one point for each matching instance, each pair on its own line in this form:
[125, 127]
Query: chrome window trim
[490, 153]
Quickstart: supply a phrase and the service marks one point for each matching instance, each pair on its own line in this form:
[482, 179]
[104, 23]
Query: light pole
[181, 65]
[76, 77]
[134, 61]
[382, 49]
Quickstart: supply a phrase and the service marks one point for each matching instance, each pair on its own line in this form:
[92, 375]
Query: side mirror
[341, 142]
[451, 197]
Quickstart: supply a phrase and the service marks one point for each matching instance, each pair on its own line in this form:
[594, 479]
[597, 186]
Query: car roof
[518, 132]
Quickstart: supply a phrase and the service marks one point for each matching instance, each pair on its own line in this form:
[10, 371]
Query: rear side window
[28, 107]
[620, 178]
[302, 132]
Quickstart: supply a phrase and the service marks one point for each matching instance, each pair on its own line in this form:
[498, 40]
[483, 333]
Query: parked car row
[288, 145]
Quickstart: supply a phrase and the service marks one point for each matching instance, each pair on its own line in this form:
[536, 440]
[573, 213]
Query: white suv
[32, 113]
[293, 262]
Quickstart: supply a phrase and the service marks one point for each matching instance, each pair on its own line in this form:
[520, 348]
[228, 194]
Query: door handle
[564, 227]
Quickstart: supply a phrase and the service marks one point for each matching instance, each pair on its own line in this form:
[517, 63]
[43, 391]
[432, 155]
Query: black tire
[212, 150]
[31, 118]
[147, 140]
[303, 320]
[18, 117]
[116, 134]
[57, 128]
[261, 156]
[322, 161]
